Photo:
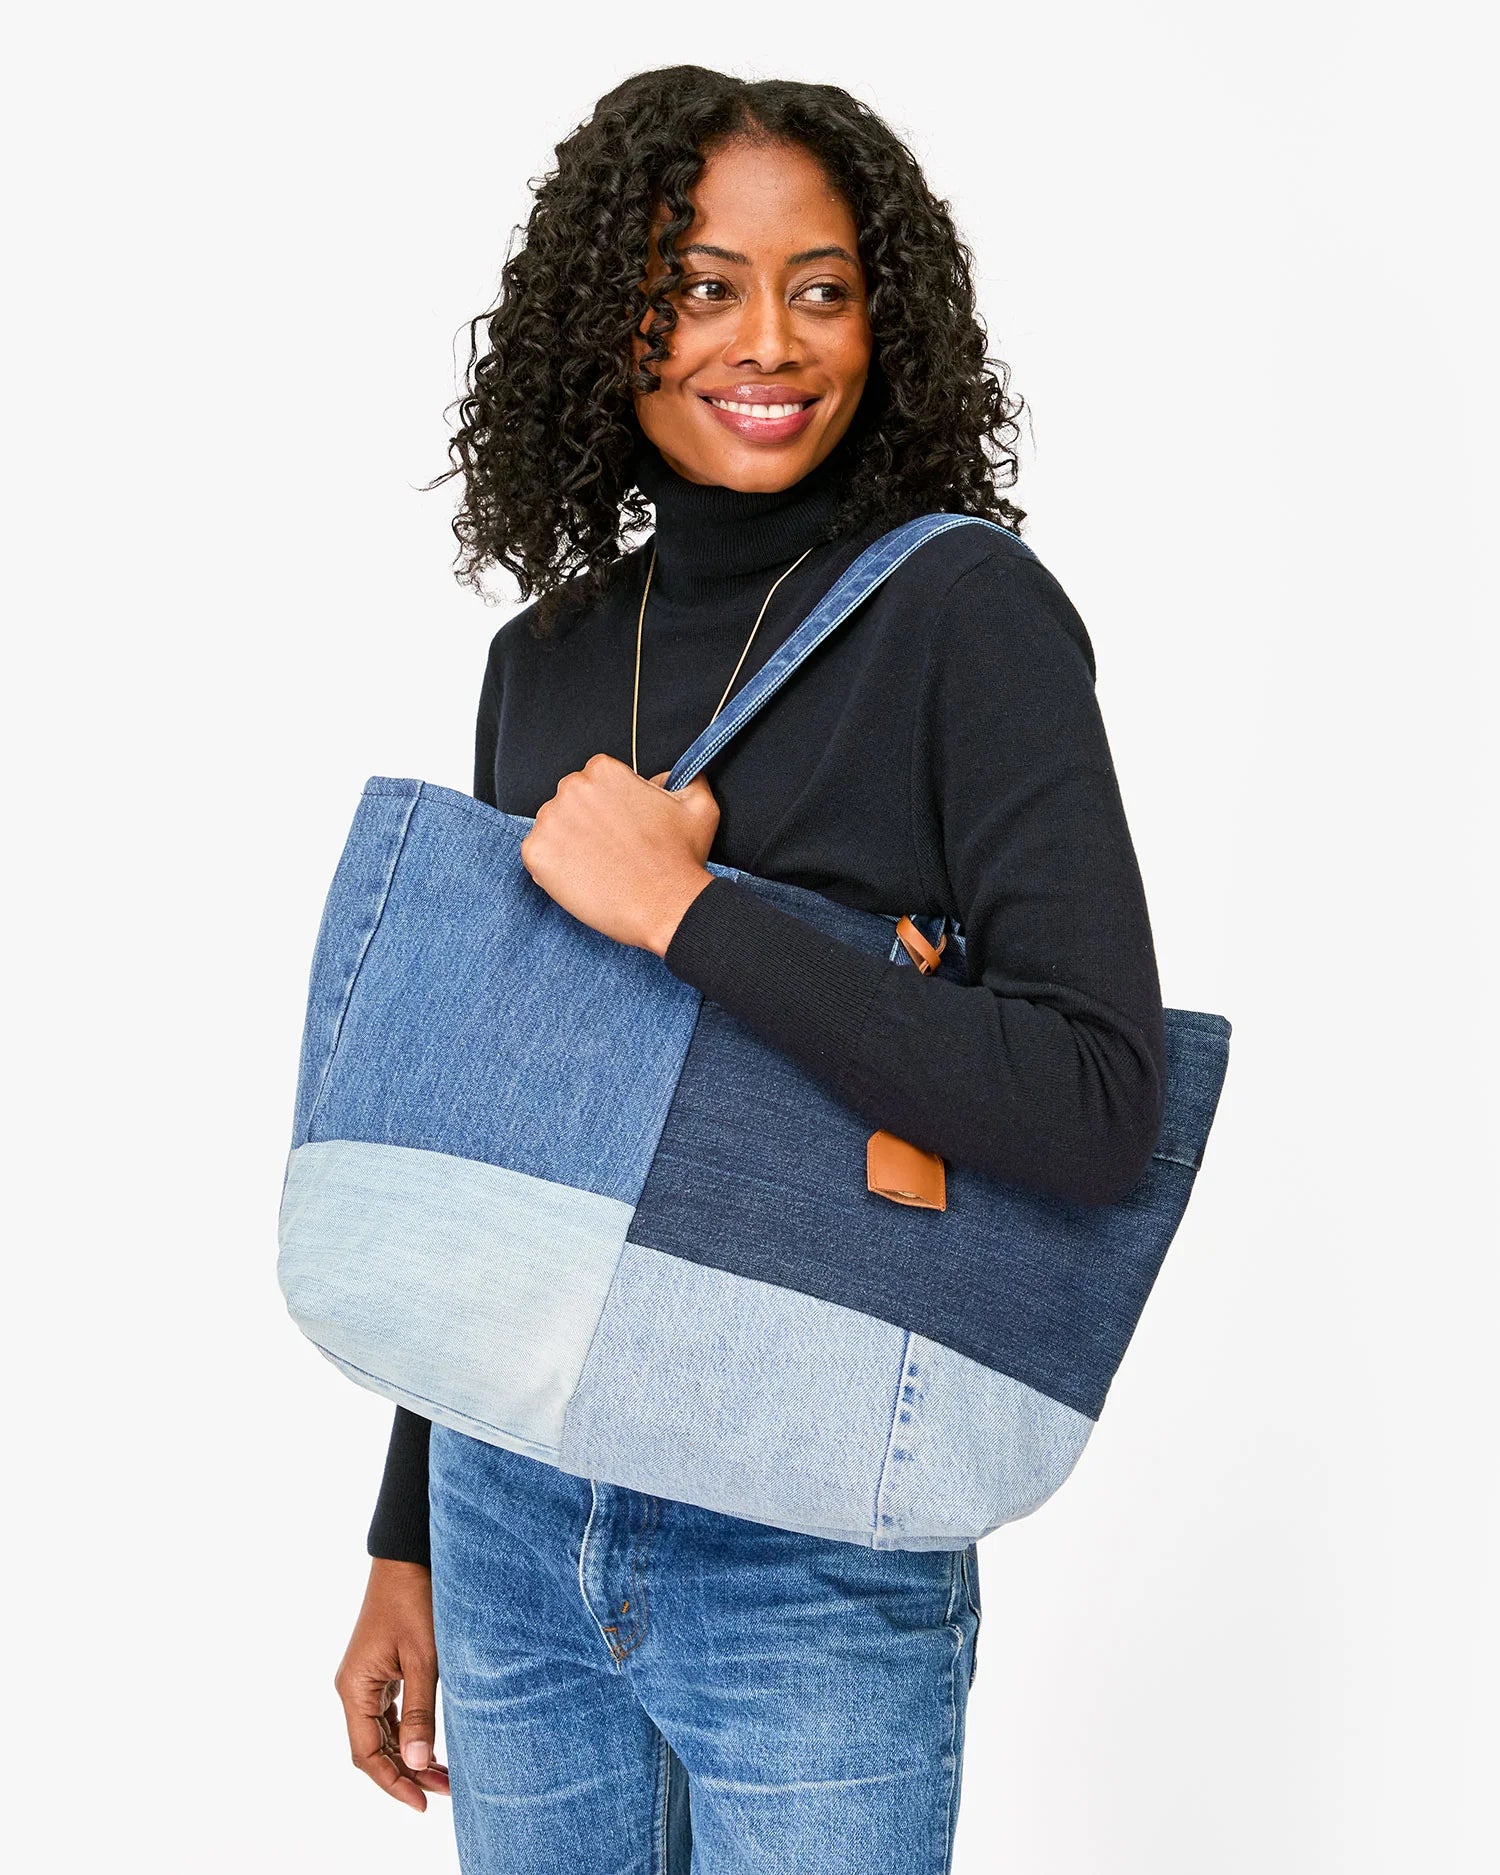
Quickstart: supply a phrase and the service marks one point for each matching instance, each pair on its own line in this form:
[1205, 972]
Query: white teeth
[766, 411]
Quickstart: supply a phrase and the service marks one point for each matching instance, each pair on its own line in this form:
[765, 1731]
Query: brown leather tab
[904, 1173]
[922, 954]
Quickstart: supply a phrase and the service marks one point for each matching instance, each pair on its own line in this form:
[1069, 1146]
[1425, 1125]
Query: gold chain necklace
[639, 629]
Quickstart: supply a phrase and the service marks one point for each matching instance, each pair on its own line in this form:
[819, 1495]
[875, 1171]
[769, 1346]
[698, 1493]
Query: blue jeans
[627, 1680]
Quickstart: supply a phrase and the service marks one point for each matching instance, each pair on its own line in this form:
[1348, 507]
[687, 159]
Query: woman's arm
[398, 1529]
[1048, 1068]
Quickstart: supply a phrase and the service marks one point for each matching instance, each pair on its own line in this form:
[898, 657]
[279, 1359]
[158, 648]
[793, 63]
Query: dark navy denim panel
[483, 1019]
[761, 1172]
[1197, 1058]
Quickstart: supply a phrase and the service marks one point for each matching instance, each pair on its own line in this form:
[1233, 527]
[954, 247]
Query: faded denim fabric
[628, 1681]
[531, 1171]
[394, 1278]
[765, 1403]
[460, 1009]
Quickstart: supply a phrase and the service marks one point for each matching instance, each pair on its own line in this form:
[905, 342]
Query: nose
[764, 338]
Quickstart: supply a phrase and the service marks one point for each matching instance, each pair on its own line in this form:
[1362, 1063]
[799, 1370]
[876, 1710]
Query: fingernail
[417, 1753]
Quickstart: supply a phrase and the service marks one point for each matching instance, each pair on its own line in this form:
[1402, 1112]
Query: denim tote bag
[543, 1192]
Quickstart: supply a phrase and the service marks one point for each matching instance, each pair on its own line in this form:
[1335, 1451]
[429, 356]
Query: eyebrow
[792, 260]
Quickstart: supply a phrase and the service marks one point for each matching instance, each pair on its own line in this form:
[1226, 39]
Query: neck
[708, 536]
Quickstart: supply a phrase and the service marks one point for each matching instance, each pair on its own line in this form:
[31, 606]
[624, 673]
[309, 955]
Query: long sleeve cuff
[1054, 1090]
[398, 1530]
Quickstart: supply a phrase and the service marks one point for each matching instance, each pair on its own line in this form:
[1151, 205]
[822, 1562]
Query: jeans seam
[883, 1482]
[951, 1754]
[582, 1586]
[969, 1564]
[639, 1556]
[664, 1786]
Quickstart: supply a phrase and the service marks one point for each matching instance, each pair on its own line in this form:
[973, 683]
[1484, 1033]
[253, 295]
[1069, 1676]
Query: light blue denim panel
[467, 1292]
[761, 1402]
[971, 1448]
[460, 1009]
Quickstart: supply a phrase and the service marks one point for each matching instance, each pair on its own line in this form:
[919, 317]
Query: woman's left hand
[621, 853]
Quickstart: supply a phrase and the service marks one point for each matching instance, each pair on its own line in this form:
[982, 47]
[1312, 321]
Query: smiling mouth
[767, 413]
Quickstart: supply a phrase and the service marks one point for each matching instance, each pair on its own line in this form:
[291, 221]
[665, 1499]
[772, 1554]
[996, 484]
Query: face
[771, 313]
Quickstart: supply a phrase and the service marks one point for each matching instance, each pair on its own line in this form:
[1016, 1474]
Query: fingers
[393, 1648]
[434, 1778]
[367, 1701]
[698, 798]
[418, 1728]
[695, 794]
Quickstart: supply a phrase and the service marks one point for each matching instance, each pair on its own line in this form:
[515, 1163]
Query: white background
[1236, 259]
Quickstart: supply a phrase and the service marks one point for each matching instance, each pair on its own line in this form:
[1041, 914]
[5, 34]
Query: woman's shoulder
[520, 636]
[990, 600]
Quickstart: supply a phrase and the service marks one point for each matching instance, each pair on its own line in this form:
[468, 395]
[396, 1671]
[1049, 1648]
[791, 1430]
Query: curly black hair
[547, 426]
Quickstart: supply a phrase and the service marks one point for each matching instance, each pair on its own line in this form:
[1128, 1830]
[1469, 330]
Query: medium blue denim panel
[855, 584]
[484, 1020]
[434, 1279]
[760, 1171]
[762, 1402]
[351, 911]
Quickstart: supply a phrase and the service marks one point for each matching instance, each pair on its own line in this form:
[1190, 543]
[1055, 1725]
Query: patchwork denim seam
[588, 1353]
[821, 1287]
[385, 899]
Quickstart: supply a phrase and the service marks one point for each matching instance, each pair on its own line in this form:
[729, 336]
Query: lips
[761, 412]
[749, 392]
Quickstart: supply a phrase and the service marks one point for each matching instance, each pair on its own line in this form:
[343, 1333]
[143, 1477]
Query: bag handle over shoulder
[875, 564]
[894, 1169]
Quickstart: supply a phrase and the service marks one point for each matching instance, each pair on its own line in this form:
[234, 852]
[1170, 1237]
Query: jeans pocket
[969, 1569]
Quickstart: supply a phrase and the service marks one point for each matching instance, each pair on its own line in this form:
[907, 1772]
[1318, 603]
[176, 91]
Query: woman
[741, 302]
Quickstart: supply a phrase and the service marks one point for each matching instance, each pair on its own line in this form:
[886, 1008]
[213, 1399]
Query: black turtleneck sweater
[941, 751]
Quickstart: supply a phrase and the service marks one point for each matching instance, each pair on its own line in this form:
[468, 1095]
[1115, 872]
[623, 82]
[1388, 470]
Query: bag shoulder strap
[875, 564]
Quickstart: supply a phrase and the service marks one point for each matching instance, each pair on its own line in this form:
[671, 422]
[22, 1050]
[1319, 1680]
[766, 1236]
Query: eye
[835, 288]
[695, 290]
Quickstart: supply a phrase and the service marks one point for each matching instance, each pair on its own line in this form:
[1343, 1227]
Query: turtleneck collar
[707, 534]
